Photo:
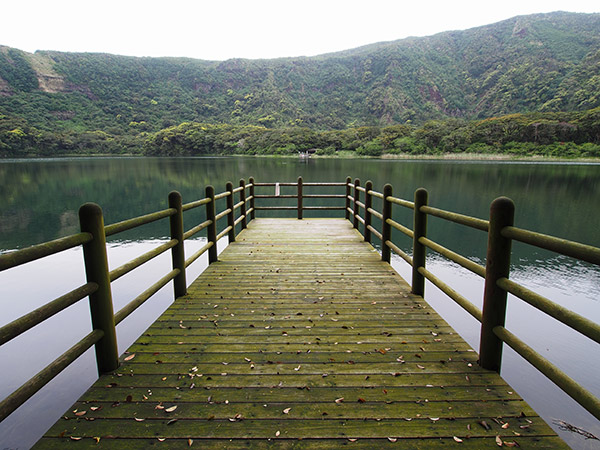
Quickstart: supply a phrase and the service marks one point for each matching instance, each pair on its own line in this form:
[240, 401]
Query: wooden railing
[362, 214]
[92, 239]
[501, 233]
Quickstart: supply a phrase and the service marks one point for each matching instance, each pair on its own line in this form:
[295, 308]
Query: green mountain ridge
[542, 63]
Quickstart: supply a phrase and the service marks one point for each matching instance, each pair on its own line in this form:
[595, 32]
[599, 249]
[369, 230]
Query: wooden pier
[300, 336]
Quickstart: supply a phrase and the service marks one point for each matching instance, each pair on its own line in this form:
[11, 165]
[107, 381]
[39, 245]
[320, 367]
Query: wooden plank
[300, 337]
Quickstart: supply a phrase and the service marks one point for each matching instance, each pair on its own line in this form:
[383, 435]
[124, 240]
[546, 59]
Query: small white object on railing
[277, 189]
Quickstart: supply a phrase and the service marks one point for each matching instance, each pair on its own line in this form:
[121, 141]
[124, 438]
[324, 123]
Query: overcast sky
[223, 29]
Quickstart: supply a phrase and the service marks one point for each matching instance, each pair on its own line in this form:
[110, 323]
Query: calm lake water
[40, 199]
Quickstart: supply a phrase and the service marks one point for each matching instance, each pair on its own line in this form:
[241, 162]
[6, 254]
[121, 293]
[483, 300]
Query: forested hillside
[74, 102]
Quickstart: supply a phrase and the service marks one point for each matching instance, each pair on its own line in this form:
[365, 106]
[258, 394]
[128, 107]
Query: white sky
[223, 29]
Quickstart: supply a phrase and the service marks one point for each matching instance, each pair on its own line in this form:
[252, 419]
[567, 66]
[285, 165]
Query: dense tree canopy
[446, 93]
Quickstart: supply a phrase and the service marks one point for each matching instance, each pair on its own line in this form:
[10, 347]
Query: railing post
[368, 203]
[231, 215]
[348, 192]
[419, 250]
[96, 270]
[243, 200]
[356, 200]
[177, 252]
[300, 206]
[251, 181]
[211, 230]
[502, 213]
[386, 229]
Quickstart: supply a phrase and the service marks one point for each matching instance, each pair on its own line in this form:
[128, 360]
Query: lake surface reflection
[41, 199]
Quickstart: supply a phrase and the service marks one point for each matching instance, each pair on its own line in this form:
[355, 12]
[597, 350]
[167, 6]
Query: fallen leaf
[171, 409]
[73, 438]
[361, 400]
[499, 441]
[420, 366]
[485, 425]
[130, 357]
[137, 419]
[171, 421]
[339, 400]
[434, 419]
[80, 413]
[287, 410]
[161, 439]
[352, 439]
[95, 408]
[97, 439]
[129, 399]
[457, 439]
[511, 444]
[391, 439]
[277, 433]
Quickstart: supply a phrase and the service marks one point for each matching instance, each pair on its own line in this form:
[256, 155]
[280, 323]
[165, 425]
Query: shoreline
[491, 157]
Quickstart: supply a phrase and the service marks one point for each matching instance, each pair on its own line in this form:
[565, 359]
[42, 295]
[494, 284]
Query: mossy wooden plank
[301, 380]
[547, 442]
[277, 410]
[295, 428]
[300, 337]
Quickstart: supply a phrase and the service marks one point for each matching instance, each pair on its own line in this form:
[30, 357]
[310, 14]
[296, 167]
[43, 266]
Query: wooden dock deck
[300, 337]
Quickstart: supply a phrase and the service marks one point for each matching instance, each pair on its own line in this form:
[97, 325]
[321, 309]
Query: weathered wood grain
[300, 337]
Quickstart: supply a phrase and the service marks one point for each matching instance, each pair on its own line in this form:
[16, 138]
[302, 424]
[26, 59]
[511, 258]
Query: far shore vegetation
[534, 135]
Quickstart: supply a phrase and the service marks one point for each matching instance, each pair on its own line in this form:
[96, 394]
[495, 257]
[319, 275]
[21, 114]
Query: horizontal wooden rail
[224, 232]
[141, 299]
[222, 214]
[238, 205]
[322, 208]
[399, 201]
[238, 220]
[563, 246]
[376, 194]
[577, 322]
[18, 257]
[272, 196]
[360, 204]
[188, 234]
[316, 184]
[237, 189]
[272, 184]
[461, 219]
[273, 208]
[453, 256]
[38, 381]
[198, 254]
[140, 260]
[405, 256]
[360, 188]
[458, 298]
[222, 195]
[557, 376]
[195, 204]
[375, 232]
[138, 221]
[22, 324]
[400, 227]
[375, 213]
